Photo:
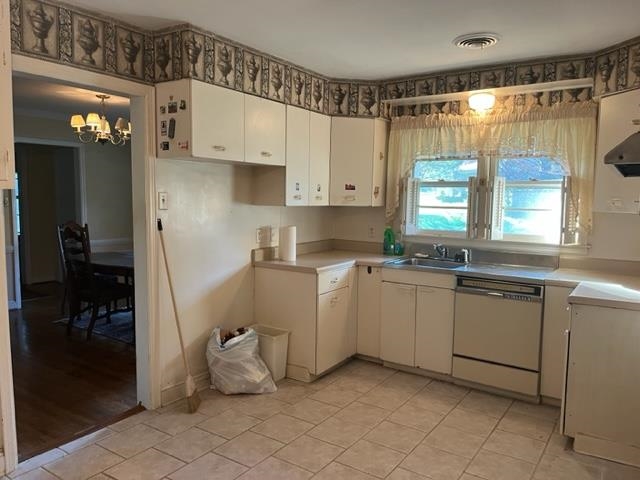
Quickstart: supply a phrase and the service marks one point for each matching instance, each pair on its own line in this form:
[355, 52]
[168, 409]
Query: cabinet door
[379, 173]
[264, 131]
[297, 185]
[556, 319]
[351, 161]
[7, 161]
[217, 122]
[319, 158]
[398, 323]
[434, 329]
[369, 287]
[334, 330]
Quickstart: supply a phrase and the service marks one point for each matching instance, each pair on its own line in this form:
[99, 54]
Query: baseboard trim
[175, 392]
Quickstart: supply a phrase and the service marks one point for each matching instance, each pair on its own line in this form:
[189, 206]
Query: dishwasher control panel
[521, 292]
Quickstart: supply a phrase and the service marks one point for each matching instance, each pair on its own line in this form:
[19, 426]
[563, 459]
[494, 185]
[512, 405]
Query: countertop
[570, 277]
[605, 295]
[329, 260]
[562, 277]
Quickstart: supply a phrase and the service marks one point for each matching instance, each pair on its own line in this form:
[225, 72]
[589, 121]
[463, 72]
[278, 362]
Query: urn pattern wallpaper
[58, 33]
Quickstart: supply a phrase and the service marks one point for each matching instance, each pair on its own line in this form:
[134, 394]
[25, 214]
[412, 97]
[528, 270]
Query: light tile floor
[362, 421]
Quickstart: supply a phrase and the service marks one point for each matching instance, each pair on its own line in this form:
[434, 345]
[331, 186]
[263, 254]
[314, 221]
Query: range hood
[626, 155]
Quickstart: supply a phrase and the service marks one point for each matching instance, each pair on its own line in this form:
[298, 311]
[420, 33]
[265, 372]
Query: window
[442, 195]
[520, 198]
[532, 201]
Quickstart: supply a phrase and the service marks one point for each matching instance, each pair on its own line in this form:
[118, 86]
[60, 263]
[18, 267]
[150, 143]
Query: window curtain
[565, 132]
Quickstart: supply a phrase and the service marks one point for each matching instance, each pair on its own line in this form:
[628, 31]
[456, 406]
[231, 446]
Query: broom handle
[173, 299]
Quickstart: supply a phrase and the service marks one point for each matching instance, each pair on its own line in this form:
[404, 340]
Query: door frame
[80, 193]
[142, 108]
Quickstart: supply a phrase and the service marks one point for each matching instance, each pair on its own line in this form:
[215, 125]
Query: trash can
[273, 343]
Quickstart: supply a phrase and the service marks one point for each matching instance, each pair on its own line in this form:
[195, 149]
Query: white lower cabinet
[416, 319]
[318, 309]
[336, 332]
[557, 319]
[434, 329]
[398, 323]
[369, 288]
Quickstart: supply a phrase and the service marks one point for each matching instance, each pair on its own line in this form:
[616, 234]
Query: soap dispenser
[389, 243]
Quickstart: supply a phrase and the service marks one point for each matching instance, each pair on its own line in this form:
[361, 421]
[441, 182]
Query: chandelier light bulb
[97, 128]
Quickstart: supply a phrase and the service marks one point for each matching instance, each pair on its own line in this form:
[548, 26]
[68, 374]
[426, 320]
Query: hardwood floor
[64, 385]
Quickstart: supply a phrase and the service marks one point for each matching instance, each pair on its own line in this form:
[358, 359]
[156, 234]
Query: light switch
[163, 198]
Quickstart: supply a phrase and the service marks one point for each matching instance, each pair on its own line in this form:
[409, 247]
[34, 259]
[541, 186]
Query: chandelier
[96, 128]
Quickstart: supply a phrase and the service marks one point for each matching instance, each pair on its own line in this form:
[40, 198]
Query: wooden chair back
[75, 249]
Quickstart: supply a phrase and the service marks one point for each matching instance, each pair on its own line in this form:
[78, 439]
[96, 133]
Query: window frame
[470, 184]
[480, 207]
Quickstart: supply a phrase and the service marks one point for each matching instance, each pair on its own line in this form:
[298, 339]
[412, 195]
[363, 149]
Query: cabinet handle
[333, 281]
[297, 197]
[266, 154]
[318, 197]
[219, 148]
[349, 198]
[381, 156]
[334, 301]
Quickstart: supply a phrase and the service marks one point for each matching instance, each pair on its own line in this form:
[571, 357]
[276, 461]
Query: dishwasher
[497, 333]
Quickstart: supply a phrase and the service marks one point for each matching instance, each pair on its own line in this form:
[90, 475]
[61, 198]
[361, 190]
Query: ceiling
[39, 96]
[380, 39]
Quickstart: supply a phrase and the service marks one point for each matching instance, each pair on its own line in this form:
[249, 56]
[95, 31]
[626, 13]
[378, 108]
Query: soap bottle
[389, 243]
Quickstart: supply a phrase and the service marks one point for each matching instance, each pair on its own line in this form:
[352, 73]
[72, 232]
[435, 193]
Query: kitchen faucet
[441, 250]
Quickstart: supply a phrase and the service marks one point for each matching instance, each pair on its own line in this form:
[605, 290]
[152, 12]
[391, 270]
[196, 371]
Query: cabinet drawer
[332, 280]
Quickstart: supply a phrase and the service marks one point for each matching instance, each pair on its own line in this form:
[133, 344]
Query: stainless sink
[427, 262]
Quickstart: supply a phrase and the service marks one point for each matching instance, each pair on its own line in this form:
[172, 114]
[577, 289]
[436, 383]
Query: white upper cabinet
[218, 122]
[7, 161]
[358, 160]
[319, 157]
[264, 141]
[199, 120]
[297, 172]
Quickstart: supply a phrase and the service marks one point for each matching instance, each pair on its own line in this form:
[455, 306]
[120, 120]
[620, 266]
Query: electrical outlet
[163, 199]
[371, 232]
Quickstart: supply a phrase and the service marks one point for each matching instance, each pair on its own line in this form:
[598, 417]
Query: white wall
[355, 223]
[210, 230]
[107, 177]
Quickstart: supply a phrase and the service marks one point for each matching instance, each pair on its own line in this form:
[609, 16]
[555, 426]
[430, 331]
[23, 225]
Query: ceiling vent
[476, 41]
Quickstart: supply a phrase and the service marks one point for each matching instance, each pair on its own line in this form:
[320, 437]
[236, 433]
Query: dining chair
[82, 284]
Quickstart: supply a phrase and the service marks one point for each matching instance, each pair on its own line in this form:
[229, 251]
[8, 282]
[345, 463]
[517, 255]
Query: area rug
[120, 328]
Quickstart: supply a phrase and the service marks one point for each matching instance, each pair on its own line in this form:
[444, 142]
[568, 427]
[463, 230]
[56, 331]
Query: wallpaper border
[56, 32]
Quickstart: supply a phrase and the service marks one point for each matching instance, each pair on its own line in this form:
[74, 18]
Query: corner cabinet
[369, 290]
[318, 309]
[358, 161]
[7, 160]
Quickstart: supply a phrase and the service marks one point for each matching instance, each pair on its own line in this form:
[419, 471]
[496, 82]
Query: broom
[193, 399]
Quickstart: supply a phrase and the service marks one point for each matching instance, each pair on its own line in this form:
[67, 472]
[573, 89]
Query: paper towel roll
[287, 243]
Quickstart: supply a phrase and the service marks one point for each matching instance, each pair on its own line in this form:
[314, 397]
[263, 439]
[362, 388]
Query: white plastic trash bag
[236, 366]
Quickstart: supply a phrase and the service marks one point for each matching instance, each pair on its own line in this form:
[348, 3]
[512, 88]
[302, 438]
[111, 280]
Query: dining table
[118, 263]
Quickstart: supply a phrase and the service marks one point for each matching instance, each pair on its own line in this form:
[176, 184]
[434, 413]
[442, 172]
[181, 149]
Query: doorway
[142, 105]
[72, 373]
